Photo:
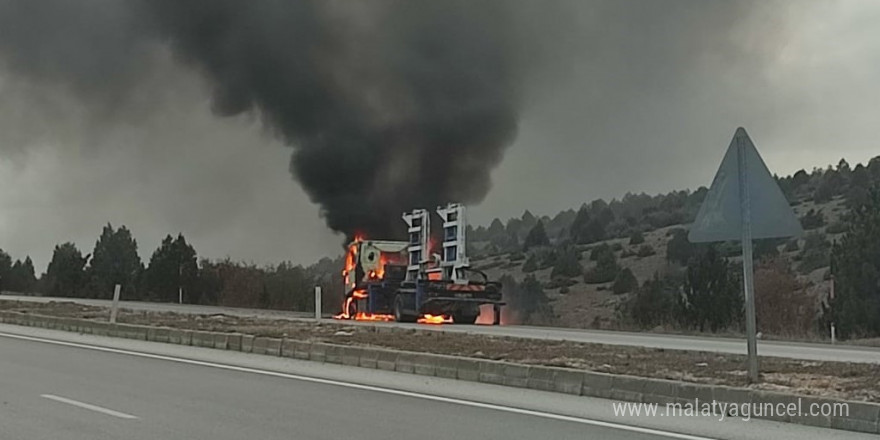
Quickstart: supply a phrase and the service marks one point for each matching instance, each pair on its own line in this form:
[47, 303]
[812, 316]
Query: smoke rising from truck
[387, 105]
[113, 97]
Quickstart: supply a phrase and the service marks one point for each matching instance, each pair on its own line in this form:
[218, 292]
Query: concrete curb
[862, 417]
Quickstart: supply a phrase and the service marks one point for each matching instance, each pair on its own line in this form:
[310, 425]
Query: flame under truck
[409, 281]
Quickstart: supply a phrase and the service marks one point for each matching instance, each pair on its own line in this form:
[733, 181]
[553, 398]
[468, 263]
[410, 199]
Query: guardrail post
[317, 303]
[113, 309]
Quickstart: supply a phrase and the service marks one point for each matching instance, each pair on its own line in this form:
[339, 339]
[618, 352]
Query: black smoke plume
[388, 105]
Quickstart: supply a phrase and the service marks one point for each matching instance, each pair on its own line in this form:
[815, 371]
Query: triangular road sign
[721, 216]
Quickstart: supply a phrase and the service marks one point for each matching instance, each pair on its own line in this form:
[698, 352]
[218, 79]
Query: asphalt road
[61, 385]
[156, 399]
[793, 350]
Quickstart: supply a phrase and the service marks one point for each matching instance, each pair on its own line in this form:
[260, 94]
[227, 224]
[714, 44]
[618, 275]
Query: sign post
[748, 263]
[115, 306]
[317, 303]
[833, 329]
[179, 284]
[744, 203]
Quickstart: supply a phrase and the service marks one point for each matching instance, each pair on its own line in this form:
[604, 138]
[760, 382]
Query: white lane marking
[88, 406]
[514, 410]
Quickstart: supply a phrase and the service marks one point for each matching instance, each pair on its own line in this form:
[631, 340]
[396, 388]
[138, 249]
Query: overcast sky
[642, 97]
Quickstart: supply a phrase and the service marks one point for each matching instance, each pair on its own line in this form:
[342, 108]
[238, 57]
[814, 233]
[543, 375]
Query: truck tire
[464, 318]
[400, 314]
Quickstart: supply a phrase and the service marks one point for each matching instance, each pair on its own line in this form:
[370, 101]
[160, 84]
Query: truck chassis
[407, 301]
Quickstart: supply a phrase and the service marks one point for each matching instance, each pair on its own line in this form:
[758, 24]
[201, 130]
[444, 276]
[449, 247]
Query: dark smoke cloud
[389, 105]
[99, 48]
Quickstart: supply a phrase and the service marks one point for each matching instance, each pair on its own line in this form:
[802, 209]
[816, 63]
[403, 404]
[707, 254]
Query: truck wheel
[464, 318]
[399, 314]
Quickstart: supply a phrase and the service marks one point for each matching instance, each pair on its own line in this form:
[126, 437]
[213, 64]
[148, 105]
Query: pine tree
[115, 260]
[799, 179]
[599, 250]
[21, 277]
[566, 264]
[588, 229]
[679, 249]
[624, 282]
[514, 227]
[5, 269]
[579, 224]
[535, 304]
[536, 237]
[173, 266]
[29, 273]
[855, 263]
[65, 275]
[606, 266]
[528, 220]
[495, 228]
[654, 303]
[711, 297]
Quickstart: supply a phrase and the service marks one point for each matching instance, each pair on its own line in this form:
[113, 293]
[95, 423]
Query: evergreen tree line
[701, 287]
[173, 272]
[706, 293]
[637, 213]
[18, 276]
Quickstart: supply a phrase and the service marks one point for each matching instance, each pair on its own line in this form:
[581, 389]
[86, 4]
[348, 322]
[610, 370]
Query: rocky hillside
[645, 233]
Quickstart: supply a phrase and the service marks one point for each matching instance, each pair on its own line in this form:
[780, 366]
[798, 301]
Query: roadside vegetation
[637, 270]
[853, 381]
[172, 272]
[623, 264]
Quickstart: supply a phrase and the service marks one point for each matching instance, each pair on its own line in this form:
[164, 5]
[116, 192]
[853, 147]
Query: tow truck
[405, 281]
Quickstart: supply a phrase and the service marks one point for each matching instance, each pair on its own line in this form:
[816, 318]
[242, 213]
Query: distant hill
[639, 228]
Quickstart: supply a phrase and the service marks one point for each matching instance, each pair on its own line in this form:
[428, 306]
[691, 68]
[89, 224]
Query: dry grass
[833, 379]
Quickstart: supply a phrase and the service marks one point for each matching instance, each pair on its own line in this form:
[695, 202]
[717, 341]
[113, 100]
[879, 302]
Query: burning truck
[405, 281]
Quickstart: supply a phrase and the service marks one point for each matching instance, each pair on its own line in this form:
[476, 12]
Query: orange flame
[361, 316]
[344, 314]
[350, 261]
[434, 319]
[487, 316]
[379, 273]
[357, 294]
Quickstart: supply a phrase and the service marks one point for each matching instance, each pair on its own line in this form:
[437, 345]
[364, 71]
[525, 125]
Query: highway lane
[62, 385]
[59, 391]
[784, 349]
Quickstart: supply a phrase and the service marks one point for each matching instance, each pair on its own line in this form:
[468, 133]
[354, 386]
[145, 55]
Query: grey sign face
[721, 215]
